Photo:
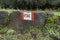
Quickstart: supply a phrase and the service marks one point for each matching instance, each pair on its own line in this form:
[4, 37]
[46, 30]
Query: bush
[30, 4]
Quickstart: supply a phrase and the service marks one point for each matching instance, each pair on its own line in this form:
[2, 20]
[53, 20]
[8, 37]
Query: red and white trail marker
[27, 15]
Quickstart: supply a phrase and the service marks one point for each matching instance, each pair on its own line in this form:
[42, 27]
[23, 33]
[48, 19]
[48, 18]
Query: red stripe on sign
[32, 16]
[22, 15]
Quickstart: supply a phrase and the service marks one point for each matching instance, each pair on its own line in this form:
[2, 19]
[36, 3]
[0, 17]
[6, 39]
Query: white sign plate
[27, 16]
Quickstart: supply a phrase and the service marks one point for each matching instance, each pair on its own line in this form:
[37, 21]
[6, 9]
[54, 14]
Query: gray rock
[58, 21]
[50, 14]
[3, 15]
[2, 21]
[40, 18]
[15, 20]
[19, 24]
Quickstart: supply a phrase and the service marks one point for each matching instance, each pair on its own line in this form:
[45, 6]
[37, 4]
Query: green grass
[57, 13]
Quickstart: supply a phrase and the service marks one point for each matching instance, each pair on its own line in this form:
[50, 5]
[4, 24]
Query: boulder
[49, 14]
[58, 21]
[18, 24]
[14, 18]
[3, 15]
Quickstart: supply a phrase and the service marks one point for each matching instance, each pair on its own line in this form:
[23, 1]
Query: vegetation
[30, 4]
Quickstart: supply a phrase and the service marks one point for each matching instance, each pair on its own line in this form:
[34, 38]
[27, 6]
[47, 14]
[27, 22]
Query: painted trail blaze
[27, 16]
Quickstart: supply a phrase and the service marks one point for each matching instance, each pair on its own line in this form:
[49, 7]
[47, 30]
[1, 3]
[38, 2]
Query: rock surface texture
[16, 21]
[3, 15]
